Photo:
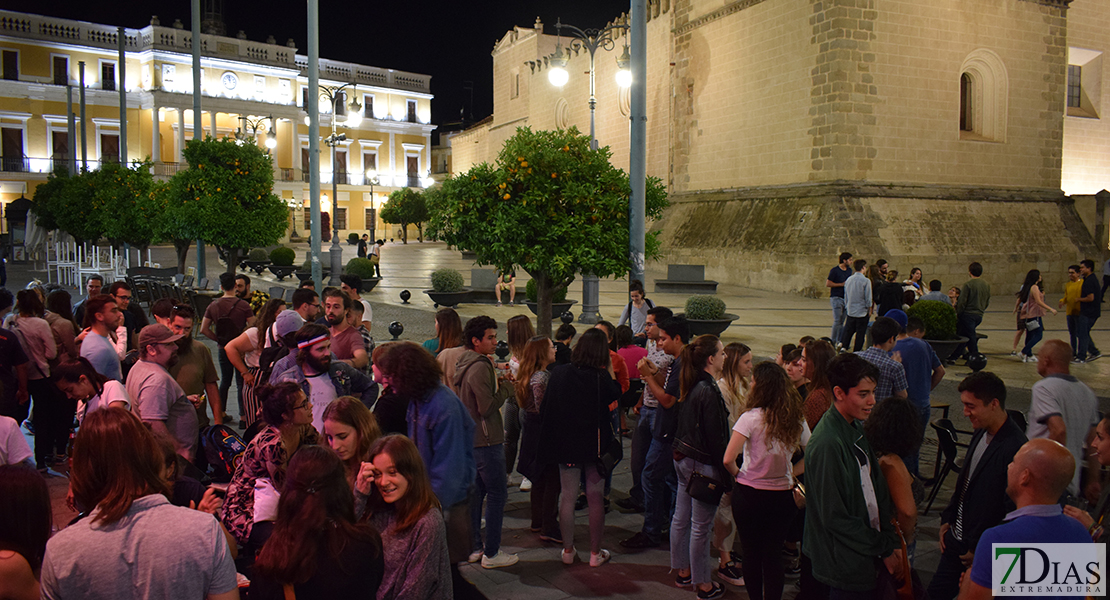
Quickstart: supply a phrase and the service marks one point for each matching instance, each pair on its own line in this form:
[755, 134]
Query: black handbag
[706, 489]
[610, 450]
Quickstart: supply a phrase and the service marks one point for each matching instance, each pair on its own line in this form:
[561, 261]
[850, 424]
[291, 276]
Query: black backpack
[276, 351]
[224, 450]
[226, 328]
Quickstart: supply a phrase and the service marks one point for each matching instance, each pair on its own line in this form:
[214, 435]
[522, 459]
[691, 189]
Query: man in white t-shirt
[97, 345]
[13, 446]
[1064, 409]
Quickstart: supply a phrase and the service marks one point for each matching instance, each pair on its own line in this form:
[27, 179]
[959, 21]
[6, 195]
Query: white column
[295, 148]
[392, 156]
[212, 127]
[180, 154]
[155, 136]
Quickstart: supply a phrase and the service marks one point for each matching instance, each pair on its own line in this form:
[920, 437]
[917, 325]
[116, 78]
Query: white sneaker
[499, 560]
[525, 485]
[568, 557]
[596, 560]
[476, 556]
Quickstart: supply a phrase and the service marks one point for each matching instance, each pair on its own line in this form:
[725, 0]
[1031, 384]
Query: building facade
[249, 88]
[930, 133]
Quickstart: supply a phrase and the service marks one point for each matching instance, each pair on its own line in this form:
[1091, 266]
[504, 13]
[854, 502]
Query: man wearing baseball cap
[158, 400]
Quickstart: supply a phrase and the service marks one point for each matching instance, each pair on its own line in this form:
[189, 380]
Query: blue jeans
[1073, 333]
[966, 324]
[660, 487]
[491, 483]
[839, 313]
[1032, 336]
[1086, 346]
[912, 461]
[226, 370]
[692, 525]
[641, 442]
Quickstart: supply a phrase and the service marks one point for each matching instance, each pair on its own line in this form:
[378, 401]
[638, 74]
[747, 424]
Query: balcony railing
[15, 164]
[414, 181]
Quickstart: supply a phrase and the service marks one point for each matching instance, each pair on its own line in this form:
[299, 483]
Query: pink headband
[315, 340]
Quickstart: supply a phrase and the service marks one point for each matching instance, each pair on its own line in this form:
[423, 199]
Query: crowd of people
[376, 471]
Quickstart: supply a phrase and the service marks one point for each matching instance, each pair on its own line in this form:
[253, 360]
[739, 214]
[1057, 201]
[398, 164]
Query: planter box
[369, 284]
[450, 299]
[306, 275]
[945, 348]
[258, 266]
[282, 271]
[557, 308]
[710, 326]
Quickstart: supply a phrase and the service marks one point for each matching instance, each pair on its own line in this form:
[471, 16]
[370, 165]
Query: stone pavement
[766, 321]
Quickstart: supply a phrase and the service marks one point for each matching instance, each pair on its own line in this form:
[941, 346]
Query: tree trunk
[181, 247]
[232, 260]
[544, 295]
[405, 232]
[420, 232]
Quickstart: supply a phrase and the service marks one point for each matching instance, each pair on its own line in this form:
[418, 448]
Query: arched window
[984, 91]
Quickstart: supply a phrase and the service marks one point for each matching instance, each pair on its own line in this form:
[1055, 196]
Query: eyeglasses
[305, 404]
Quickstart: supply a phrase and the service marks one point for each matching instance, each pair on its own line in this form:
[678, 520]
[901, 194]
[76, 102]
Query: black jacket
[703, 423]
[575, 411]
[986, 501]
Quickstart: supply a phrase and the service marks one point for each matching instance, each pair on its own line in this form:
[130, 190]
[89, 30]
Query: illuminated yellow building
[242, 82]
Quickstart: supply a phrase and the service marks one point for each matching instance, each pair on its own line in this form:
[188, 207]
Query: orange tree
[550, 205]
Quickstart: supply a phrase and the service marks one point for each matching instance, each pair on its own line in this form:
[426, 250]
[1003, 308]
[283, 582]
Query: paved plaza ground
[766, 321]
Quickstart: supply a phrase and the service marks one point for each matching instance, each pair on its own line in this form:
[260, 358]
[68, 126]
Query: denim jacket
[443, 432]
[347, 380]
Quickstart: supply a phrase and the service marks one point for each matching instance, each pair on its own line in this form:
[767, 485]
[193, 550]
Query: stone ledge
[864, 189]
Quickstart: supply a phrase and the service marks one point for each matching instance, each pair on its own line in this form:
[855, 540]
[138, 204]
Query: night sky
[451, 41]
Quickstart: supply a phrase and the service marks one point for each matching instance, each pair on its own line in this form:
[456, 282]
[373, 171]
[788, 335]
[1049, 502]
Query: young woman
[132, 527]
[914, 284]
[763, 503]
[448, 331]
[406, 512]
[1031, 307]
[574, 424]
[317, 549]
[953, 295]
[894, 430]
[795, 366]
[530, 386]
[243, 353]
[1095, 521]
[518, 331]
[25, 522]
[51, 411]
[80, 382]
[699, 445]
[59, 315]
[817, 354]
[735, 384]
[261, 473]
[350, 429]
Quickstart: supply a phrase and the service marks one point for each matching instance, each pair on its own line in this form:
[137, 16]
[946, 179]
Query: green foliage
[47, 200]
[282, 256]
[258, 254]
[446, 280]
[532, 294]
[361, 267]
[939, 318]
[118, 202]
[550, 204]
[352, 238]
[705, 308]
[226, 197]
[403, 207]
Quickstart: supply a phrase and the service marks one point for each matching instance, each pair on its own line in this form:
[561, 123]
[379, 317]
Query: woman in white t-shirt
[768, 434]
[244, 351]
[80, 382]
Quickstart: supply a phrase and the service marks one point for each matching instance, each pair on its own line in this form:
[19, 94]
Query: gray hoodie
[481, 394]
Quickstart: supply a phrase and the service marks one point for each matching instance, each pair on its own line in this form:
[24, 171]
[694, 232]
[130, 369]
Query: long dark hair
[316, 515]
[694, 358]
[419, 498]
[532, 360]
[1031, 279]
[450, 329]
[818, 355]
[519, 330]
[592, 350]
[58, 302]
[71, 372]
[266, 319]
[25, 513]
[782, 406]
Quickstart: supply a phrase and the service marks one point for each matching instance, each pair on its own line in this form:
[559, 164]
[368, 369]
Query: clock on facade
[229, 80]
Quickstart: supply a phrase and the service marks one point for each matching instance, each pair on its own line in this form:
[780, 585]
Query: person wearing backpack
[635, 312]
[245, 353]
[230, 315]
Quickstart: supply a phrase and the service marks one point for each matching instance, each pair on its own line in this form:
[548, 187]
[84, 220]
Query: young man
[564, 335]
[93, 286]
[1035, 479]
[934, 293]
[483, 392]
[858, 304]
[1072, 290]
[375, 257]
[1064, 409]
[362, 245]
[979, 501]
[837, 276]
[848, 506]
[1090, 309]
[322, 379]
[924, 373]
[636, 311]
[646, 408]
[346, 341]
[157, 398]
[659, 481]
[104, 315]
[194, 370]
[975, 297]
[230, 314]
[506, 280]
[128, 330]
[352, 286]
[892, 375]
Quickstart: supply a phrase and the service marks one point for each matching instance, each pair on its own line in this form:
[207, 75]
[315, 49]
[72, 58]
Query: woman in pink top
[1033, 307]
[769, 433]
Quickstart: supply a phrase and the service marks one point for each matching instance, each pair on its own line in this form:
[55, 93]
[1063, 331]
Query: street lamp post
[354, 117]
[248, 131]
[372, 180]
[589, 40]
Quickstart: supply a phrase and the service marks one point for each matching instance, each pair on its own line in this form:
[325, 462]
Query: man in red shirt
[346, 341]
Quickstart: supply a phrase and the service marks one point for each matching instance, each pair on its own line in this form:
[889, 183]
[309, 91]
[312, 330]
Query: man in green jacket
[975, 297]
[848, 508]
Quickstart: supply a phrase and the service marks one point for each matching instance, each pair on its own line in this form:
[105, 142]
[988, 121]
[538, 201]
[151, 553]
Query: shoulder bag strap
[290, 594]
